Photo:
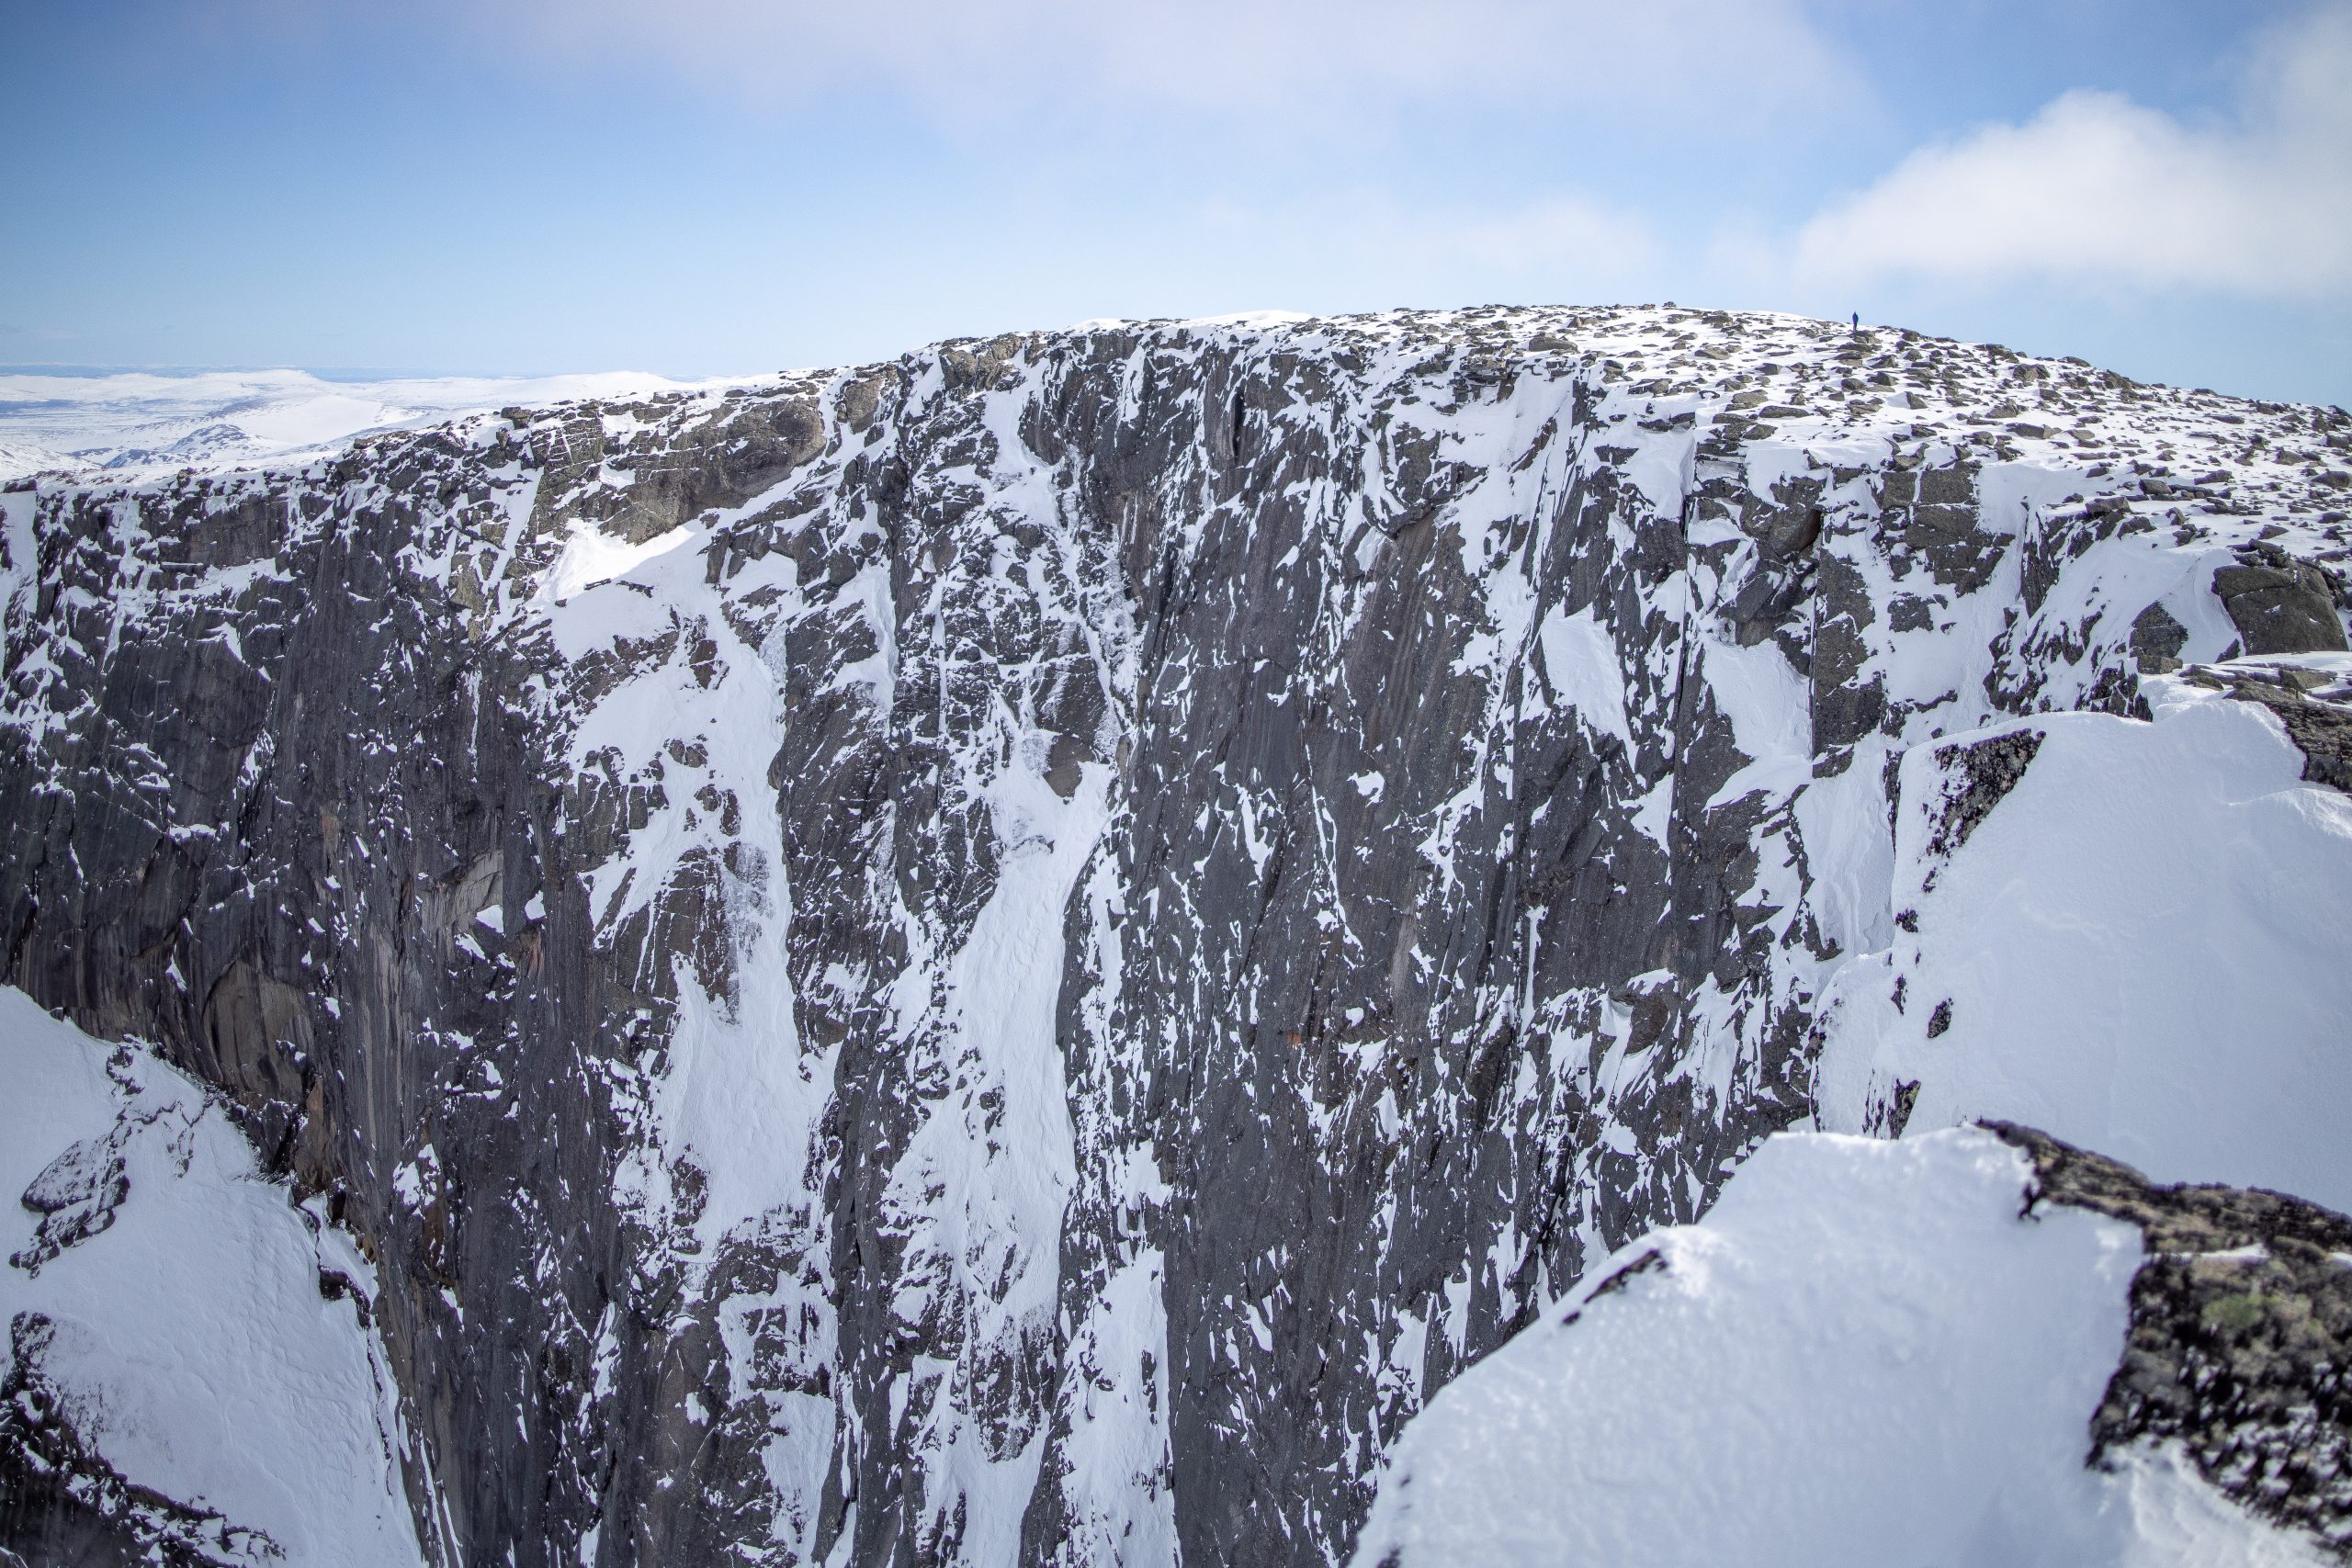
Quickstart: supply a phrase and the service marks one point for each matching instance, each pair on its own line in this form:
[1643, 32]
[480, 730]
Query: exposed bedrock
[2241, 1325]
[1015, 954]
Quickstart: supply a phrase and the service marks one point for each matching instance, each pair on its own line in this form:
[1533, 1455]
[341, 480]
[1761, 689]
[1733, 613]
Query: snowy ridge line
[300, 418]
[87, 426]
[867, 882]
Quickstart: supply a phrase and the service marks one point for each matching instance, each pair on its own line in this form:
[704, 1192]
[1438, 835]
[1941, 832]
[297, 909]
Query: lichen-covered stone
[2241, 1335]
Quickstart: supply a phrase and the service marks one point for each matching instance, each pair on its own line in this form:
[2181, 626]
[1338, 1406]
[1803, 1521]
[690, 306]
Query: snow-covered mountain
[217, 421]
[1014, 955]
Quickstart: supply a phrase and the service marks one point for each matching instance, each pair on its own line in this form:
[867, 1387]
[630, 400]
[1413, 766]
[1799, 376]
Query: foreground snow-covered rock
[2134, 935]
[1015, 954]
[1866, 1352]
[191, 1358]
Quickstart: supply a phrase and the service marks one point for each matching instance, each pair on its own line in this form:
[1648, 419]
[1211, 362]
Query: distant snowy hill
[1020, 954]
[216, 419]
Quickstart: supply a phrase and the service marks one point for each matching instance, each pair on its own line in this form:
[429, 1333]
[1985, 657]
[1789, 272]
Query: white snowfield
[189, 1340]
[216, 419]
[2145, 949]
[1861, 1356]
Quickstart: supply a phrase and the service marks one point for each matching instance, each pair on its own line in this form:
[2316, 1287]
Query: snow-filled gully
[1021, 954]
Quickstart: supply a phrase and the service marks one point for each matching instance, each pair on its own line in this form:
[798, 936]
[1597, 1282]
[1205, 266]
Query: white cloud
[2096, 188]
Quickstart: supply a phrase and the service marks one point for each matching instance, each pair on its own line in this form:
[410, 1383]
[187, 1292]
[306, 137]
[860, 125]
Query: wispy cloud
[2099, 189]
[1279, 58]
[1559, 233]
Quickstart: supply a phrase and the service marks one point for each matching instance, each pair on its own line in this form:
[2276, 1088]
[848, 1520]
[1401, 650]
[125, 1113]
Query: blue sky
[718, 186]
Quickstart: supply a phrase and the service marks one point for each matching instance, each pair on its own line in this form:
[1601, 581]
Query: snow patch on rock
[211, 1340]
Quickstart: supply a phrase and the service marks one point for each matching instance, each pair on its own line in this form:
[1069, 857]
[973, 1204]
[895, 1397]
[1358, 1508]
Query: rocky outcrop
[1975, 1343]
[1981, 774]
[1014, 954]
[2241, 1332]
[2281, 605]
[2314, 706]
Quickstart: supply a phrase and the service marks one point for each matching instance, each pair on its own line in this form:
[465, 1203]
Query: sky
[702, 187]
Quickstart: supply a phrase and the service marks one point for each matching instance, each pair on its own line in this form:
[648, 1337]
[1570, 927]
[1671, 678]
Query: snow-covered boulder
[1884, 1352]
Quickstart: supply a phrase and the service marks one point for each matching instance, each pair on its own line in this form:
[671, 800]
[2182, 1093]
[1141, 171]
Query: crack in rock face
[2241, 1335]
[1015, 954]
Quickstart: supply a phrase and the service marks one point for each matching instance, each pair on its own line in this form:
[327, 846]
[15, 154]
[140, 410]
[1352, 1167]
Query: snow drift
[1866, 1352]
[174, 1317]
[2141, 948]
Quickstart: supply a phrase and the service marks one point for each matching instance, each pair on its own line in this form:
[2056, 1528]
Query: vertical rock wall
[1012, 955]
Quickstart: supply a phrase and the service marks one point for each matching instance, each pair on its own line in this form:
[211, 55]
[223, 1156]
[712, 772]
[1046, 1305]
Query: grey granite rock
[2281, 605]
[2241, 1335]
[1422, 712]
[2157, 640]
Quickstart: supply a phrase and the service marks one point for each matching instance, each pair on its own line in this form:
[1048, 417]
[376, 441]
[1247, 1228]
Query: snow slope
[2141, 949]
[214, 420]
[1861, 1355]
[187, 1333]
[824, 908]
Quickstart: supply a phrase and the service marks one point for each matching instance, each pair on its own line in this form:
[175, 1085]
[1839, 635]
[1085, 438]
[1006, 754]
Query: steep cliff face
[1013, 955]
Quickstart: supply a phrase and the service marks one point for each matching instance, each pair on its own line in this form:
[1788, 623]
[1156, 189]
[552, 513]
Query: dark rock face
[1981, 775]
[2157, 640]
[2241, 1334]
[1013, 955]
[2281, 605]
[2315, 711]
